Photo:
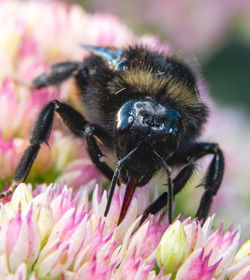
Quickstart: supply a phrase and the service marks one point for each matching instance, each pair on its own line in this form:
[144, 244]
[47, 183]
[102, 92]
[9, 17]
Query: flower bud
[243, 251]
[21, 197]
[172, 248]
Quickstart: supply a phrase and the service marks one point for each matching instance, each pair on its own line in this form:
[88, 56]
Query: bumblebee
[142, 105]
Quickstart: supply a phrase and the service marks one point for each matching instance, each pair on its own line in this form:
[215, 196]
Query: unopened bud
[172, 248]
[243, 251]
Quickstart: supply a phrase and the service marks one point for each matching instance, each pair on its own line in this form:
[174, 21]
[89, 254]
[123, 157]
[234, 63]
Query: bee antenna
[170, 186]
[115, 178]
[110, 55]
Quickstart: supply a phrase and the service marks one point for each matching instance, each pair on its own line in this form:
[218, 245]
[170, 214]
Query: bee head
[150, 124]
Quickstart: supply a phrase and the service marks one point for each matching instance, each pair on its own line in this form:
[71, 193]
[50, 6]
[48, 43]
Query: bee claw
[10, 191]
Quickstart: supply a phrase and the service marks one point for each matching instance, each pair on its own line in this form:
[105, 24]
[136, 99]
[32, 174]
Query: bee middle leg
[211, 182]
[213, 177]
[41, 132]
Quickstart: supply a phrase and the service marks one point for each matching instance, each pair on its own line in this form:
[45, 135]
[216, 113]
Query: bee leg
[213, 176]
[95, 152]
[156, 206]
[178, 184]
[40, 134]
[83, 129]
[57, 74]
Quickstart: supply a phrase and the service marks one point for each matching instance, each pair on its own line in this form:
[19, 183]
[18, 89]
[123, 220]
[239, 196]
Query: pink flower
[20, 241]
[53, 233]
[58, 233]
[8, 156]
[21, 273]
[202, 253]
[198, 267]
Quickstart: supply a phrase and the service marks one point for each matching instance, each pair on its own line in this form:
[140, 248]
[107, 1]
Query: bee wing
[113, 56]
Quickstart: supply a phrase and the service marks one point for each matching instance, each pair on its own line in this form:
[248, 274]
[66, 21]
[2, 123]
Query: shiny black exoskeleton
[142, 105]
[150, 127]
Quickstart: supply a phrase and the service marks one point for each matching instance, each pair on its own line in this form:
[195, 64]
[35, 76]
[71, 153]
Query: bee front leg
[95, 152]
[41, 132]
[83, 129]
[178, 184]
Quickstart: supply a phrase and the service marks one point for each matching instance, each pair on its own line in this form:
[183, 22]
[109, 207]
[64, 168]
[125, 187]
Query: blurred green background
[216, 32]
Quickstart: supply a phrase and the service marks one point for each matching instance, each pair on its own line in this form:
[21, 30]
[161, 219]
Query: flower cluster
[51, 233]
[190, 250]
[55, 232]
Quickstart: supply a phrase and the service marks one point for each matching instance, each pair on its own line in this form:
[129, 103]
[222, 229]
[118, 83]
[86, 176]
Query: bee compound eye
[122, 131]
